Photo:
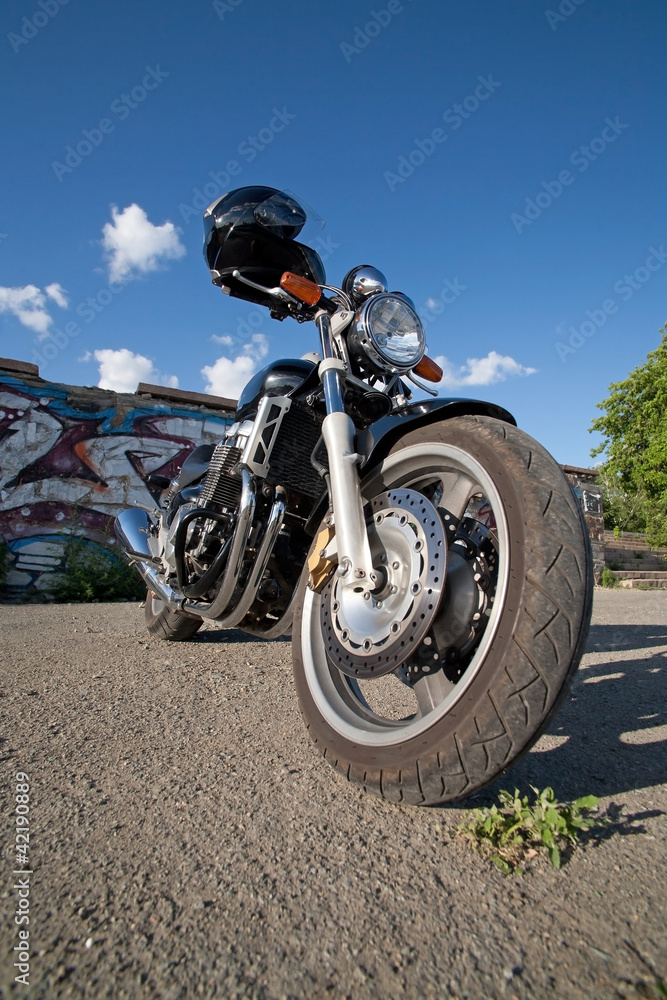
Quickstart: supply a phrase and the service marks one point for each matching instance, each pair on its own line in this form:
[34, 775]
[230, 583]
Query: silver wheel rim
[338, 698]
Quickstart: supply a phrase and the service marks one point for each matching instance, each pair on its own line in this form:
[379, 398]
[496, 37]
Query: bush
[91, 572]
[607, 579]
[4, 564]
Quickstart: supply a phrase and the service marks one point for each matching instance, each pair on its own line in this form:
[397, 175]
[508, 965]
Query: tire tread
[548, 635]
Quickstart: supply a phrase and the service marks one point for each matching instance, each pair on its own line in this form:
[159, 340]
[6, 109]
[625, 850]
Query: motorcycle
[428, 557]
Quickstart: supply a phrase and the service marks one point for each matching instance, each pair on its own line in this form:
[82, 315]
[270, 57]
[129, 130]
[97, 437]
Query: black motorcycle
[429, 558]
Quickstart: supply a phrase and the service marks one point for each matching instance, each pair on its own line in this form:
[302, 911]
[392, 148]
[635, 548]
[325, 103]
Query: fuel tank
[277, 379]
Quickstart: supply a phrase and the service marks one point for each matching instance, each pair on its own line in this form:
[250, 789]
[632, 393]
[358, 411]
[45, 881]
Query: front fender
[374, 443]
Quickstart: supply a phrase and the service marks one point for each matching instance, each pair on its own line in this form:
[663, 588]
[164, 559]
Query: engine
[272, 456]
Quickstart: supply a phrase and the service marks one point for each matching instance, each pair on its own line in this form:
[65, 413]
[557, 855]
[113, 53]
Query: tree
[624, 509]
[634, 428]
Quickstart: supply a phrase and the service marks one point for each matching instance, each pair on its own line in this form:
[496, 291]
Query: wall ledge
[181, 396]
[22, 367]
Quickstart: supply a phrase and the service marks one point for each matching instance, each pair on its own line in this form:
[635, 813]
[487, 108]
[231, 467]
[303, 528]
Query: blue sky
[501, 162]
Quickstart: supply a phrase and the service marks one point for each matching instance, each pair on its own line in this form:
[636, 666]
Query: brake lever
[276, 293]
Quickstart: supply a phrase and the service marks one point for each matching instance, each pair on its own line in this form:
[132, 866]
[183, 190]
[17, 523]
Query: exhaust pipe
[133, 527]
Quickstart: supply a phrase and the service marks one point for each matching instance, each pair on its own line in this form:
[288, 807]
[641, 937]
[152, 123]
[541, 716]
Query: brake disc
[370, 633]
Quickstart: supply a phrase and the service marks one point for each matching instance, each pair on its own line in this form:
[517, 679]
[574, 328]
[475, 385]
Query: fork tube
[355, 565]
[331, 380]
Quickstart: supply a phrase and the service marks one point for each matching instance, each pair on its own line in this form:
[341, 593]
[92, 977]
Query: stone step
[653, 564]
[643, 584]
[624, 536]
[618, 546]
[637, 574]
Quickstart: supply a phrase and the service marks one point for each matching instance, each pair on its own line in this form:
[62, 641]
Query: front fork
[355, 565]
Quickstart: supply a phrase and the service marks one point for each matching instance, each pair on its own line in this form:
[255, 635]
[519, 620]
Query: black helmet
[252, 230]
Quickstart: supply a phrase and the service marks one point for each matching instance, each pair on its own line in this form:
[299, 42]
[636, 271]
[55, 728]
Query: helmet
[252, 230]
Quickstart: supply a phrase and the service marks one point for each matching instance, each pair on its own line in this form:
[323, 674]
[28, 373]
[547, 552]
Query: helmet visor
[282, 215]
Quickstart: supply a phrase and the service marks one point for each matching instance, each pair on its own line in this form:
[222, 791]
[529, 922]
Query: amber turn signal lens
[301, 288]
[428, 369]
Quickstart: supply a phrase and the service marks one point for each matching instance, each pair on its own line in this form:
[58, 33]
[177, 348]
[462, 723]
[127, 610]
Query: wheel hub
[369, 633]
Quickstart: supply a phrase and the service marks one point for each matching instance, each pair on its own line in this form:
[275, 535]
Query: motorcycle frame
[349, 454]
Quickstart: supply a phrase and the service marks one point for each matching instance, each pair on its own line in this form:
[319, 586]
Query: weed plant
[91, 572]
[4, 564]
[514, 831]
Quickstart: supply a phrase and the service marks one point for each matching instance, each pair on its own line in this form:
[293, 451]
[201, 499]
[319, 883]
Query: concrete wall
[589, 495]
[71, 457]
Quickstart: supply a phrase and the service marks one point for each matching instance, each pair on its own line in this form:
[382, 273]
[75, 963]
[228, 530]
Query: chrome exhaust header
[133, 528]
[217, 607]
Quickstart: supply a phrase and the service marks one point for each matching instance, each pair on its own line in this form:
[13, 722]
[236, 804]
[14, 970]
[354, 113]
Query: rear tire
[478, 725]
[173, 626]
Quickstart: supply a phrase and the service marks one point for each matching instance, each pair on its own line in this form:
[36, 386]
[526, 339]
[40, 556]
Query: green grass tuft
[514, 831]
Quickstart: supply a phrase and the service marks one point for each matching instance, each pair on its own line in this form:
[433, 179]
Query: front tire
[173, 626]
[465, 726]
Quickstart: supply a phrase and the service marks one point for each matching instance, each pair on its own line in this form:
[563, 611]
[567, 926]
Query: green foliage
[624, 509]
[515, 831]
[634, 430]
[607, 579]
[91, 572]
[4, 564]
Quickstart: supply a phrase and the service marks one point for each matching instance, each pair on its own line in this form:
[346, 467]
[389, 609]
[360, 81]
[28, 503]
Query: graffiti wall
[72, 457]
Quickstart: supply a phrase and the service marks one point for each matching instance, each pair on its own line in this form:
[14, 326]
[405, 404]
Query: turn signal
[428, 369]
[301, 288]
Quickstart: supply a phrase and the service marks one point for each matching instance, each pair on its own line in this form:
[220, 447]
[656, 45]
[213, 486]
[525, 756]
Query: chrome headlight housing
[388, 334]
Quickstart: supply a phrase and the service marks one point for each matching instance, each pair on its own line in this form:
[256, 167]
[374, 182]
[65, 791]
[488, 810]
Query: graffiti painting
[71, 459]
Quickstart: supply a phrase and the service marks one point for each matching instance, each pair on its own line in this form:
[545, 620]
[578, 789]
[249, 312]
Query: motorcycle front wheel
[507, 637]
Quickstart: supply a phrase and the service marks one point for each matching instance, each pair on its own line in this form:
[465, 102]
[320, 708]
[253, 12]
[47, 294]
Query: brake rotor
[370, 633]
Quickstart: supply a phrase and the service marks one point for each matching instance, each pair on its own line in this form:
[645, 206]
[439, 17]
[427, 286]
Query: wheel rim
[369, 633]
[347, 708]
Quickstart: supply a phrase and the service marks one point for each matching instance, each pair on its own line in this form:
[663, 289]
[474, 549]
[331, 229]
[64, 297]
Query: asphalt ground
[187, 840]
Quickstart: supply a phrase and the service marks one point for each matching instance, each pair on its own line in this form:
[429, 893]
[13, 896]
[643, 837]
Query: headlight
[388, 333]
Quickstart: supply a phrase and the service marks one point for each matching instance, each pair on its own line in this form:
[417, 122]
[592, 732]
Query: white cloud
[482, 371]
[122, 370]
[134, 245]
[228, 376]
[28, 304]
[57, 293]
[433, 303]
[223, 339]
